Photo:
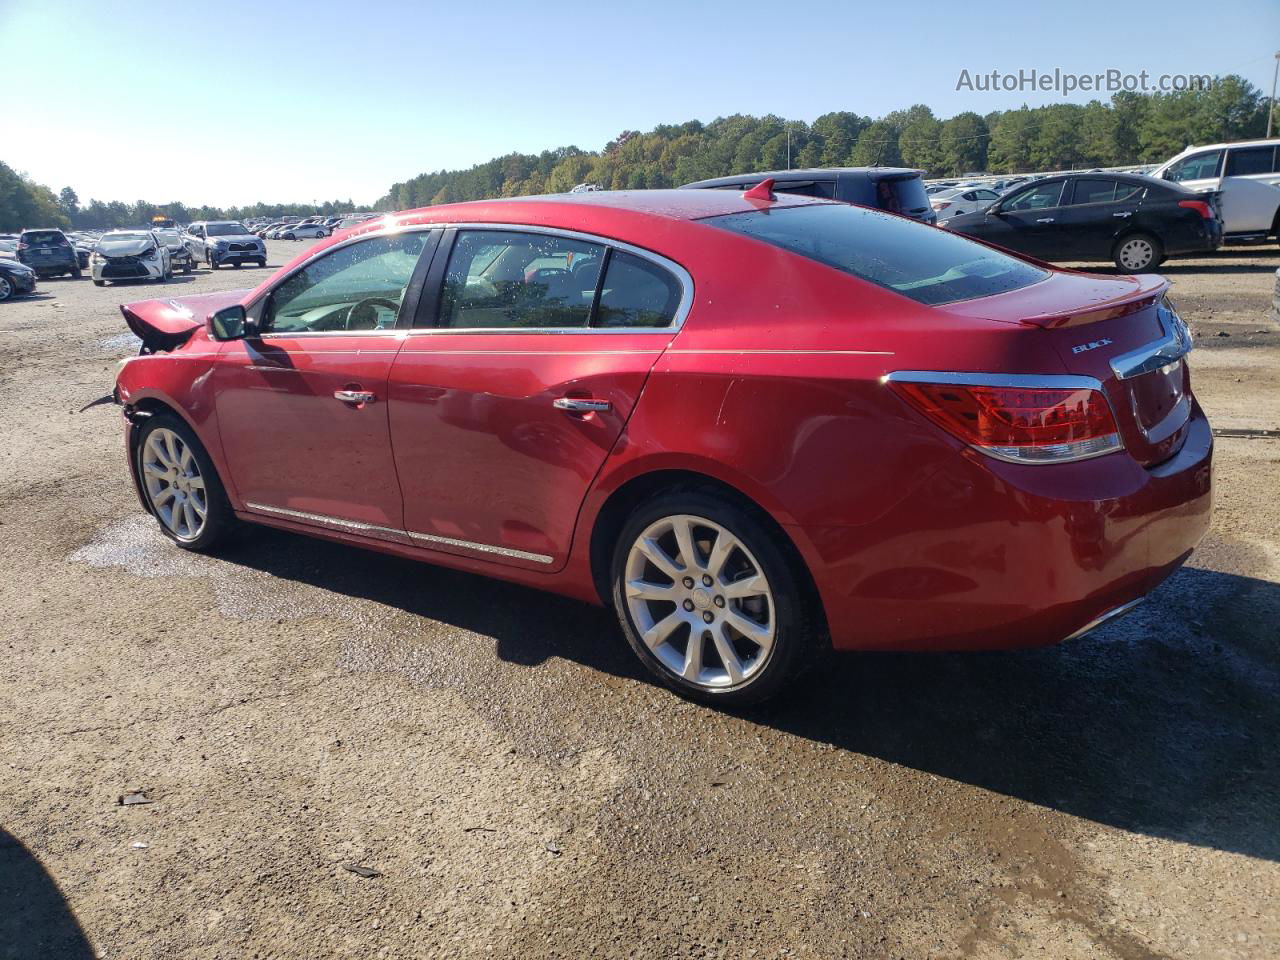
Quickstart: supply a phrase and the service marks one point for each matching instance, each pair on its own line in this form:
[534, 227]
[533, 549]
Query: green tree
[69, 202]
[920, 139]
[964, 143]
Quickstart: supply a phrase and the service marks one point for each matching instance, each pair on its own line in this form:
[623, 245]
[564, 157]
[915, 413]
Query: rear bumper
[988, 555]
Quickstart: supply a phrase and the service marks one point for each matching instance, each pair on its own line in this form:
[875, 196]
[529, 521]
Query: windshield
[928, 265]
[224, 230]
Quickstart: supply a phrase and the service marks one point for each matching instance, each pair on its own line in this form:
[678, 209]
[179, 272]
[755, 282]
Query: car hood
[123, 248]
[166, 324]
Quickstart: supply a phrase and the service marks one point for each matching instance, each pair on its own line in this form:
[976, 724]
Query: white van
[1248, 175]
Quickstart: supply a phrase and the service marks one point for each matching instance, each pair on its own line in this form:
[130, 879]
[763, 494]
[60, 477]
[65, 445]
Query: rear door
[517, 381]
[1098, 211]
[302, 407]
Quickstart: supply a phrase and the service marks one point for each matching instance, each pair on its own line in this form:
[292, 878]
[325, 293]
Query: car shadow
[1164, 723]
[36, 920]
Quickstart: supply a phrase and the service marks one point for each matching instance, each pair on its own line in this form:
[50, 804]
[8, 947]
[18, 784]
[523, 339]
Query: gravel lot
[523, 791]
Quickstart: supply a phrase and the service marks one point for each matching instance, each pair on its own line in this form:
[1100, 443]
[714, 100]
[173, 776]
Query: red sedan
[758, 426]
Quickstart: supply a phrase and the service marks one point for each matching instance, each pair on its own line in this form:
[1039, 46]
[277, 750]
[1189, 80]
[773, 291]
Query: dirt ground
[293, 706]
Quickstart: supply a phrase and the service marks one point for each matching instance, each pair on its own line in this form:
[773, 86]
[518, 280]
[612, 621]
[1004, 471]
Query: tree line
[26, 203]
[1131, 128]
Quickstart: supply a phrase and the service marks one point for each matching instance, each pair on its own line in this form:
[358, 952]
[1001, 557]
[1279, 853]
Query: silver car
[130, 255]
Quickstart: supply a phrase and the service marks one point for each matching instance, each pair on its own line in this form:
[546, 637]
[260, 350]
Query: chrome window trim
[399, 536]
[1174, 344]
[681, 274]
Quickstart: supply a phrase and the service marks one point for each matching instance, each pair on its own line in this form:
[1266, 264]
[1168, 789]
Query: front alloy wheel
[710, 602]
[181, 484]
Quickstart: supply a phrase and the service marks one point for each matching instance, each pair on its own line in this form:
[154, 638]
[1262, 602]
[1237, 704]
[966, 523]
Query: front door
[509, 396]
[302, 406]
[1028, 222]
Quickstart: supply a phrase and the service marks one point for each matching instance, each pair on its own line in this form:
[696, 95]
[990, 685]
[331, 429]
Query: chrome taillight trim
[1072, 452]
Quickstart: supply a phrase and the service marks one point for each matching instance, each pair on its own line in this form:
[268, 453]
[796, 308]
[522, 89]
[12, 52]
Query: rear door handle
[355, 396]
[579, 406]
[1045, 220]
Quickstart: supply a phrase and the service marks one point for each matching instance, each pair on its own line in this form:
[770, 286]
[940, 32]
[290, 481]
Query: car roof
[1193, 148]
[599, 205]
[807, 173]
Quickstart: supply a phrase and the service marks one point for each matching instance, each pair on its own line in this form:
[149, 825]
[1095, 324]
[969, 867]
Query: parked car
[16, 279]
[130, 255]
[262, 231]
[217, 242]
[895, 189]
[9, 249]
[741, 435]
[1247, 177]
[958, 200]
[304, 231]
[179, 254]
[48, 252]
[1133, 221]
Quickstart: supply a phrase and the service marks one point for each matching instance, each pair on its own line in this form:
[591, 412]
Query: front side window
[356, 287]
[503, 279]
[1036, 198]
[1201, 166]
[1250, 160]
[927, 265]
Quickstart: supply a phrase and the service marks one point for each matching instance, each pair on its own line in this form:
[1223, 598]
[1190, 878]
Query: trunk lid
[1122, 332]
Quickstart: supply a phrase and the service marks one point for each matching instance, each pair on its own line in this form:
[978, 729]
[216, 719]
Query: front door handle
[355, 396]
[1127, 213]
[579, 406]
[1045, 220]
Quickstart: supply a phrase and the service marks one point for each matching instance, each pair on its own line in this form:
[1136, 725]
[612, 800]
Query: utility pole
[1273, 94]
[1272, 109]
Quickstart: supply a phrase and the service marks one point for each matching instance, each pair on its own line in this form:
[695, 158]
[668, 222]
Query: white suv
[1246, 173]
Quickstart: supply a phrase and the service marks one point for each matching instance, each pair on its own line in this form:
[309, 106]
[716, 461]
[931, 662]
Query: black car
[48, 252]
[895, 189]
[1132, 220]
[15, 278]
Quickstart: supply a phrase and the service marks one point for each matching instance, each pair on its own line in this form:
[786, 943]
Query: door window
[636, 293]
[1200, 166]
[502, 279]
[1089, 190]
[356, 287]
[1037, 198]
[1244, 161]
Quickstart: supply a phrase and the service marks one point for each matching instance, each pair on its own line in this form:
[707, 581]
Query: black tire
[76, 273]
[6, 289]
[1123, 252]
[213, 264]
[220, 519]
[262, 262]
[800, 638]
[187, 267]
[99, 283]
[238, 264]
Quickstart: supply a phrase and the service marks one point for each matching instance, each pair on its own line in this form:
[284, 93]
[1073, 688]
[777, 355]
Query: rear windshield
[903, 195]
[45, 238]
[928, 265]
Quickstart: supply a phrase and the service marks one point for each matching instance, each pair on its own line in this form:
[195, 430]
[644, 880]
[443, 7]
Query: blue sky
[235, 102]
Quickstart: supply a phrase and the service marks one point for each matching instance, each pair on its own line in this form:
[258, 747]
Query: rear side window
[636, 293]
[927, 265]
[1094, 191]
[1248, 160]
[902, 195]
[504, 279]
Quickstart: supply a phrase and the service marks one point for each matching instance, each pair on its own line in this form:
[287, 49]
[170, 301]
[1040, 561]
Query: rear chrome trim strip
[1052, 381]
[1115, 613]
[481, 547]
[399, 536]
[1170, 348]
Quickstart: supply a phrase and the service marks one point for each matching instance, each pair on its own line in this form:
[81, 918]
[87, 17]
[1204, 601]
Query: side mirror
[229, 323]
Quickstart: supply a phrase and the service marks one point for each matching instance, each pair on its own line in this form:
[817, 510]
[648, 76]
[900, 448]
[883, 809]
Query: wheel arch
[625, 498]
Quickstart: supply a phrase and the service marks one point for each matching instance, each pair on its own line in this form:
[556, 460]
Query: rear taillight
[940, 204]
[1016, 418]
[1199, 206]
[24, 246]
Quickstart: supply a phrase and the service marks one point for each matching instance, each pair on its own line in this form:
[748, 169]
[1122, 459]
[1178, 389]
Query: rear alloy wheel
[181, 485]
[709, 602]
[1137, 252]
[6, 288]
